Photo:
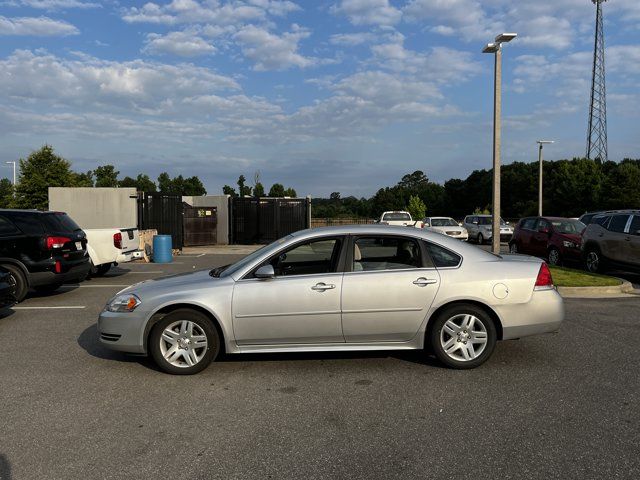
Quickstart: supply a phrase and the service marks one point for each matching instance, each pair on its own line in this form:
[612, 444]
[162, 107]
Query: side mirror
[265, 271]
[460, 224]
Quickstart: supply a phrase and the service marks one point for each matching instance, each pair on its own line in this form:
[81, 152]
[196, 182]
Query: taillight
[544, 280]
[56, 242]
[117, 240]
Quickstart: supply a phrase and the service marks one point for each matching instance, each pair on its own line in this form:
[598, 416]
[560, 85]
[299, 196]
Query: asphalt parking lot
[557, 406]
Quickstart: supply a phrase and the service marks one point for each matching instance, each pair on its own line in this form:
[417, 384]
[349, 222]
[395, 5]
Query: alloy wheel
[554, 257]
[463, 337]
[183, 343]
[513, 248]
[593, 261]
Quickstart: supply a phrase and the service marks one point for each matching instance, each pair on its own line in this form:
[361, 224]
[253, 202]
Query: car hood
[181, 281]
[572, 237]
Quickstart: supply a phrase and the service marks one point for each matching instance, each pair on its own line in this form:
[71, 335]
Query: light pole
[14, 171]
[496, 48]
[540, 143]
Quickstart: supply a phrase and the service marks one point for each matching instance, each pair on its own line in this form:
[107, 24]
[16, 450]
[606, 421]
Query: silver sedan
[339, 289]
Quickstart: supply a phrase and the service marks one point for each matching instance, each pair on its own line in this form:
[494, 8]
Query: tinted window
[586, 219]
[543, 224]
[315, 257]
[602, 220]
[568, 226]
[444, 222]
[617, 223]
[442, 257]
[635, 225]
[397, 217]
[484, 220]
[529, 224]
[6, 227]
[29, 224]
[386, 253]
[59, 222]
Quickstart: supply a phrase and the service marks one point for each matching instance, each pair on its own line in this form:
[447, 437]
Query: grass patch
[568, 277]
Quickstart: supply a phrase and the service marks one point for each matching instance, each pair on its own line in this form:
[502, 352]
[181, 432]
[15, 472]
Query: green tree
[83, 179]
[276, 190]
[6, 193]
[258, 190]
[192, 186]
[227, 190]
[142, 183]
[290, 192]
[41, 170]
[165, 185]
[243, 190]
[416, 208]
[106, 176]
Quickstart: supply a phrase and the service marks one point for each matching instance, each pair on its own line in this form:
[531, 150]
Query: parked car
[447, 226]
[480, 230]
[7, 289]
[335, 289]
[612, 241]
[110, 246]
[41, 250]
[556, 238]
[399, 219]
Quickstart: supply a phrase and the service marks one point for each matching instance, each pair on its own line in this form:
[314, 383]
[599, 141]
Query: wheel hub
[184, 343]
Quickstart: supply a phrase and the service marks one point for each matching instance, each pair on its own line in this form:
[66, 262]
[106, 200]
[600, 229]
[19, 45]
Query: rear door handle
[423, 282]
[321, 287]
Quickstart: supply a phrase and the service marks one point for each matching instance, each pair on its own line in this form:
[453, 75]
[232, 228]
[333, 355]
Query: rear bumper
[129, 256]
[544, 313]
[71, 273]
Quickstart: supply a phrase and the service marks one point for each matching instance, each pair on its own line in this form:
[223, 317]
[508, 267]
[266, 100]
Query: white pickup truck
[110, 246]
[399, 218]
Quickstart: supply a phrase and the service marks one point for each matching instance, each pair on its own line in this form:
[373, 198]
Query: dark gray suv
[612, 241]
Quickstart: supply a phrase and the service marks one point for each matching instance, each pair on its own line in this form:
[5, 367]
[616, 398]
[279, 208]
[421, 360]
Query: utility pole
[541, 143]
[597, 134]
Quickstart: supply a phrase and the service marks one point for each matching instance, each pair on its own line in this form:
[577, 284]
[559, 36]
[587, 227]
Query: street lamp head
[544, 142]
[491, 48]
[505, 37]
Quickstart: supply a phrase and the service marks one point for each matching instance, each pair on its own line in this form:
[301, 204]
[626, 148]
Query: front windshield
[240, 264]
[487, 221]
[397, 216]
[443, 222]
[568, 226]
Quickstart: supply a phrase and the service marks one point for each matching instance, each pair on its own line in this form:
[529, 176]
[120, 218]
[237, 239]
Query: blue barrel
[162, 249]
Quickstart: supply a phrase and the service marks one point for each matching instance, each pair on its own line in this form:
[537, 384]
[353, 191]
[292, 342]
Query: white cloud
[194, 11]
[54, 4]
[368, 12]
[36, 26]
[273, 52]
[352, 39]
[182, 44]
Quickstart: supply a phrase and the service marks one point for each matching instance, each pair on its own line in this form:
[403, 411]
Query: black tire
[103, 269]
[554, 257]
[19, 281]
[513, 248]
[453, 313]
[203, 323]
[594, 262]
[47, 288]
[480, 239]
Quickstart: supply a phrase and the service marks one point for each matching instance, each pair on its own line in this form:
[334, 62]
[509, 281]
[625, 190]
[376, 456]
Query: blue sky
[337, 95]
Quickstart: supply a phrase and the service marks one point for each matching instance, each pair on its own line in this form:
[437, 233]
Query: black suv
[41, 250]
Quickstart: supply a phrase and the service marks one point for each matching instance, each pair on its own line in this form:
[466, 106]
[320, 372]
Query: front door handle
[423, 282]
[321, 287]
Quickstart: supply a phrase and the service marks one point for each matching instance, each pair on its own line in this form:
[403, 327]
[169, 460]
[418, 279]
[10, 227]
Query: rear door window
[528, 223]
[618, 223]
[386, 253]
[443, 258]
[59, 222]
[7, 227]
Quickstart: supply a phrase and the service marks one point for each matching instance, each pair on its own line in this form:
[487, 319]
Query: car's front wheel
[554, 257]
[184, 342]
[594, 261]
[463, 336]
[481, 239]
[513, 248]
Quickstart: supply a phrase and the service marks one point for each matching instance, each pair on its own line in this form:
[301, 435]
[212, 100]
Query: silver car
[363, 287]
[480, 228]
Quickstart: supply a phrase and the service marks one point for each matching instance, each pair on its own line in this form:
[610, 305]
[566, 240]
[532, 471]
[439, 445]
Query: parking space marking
[49, 308]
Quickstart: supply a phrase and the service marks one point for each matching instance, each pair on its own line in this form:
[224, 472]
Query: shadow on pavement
[6, 312]
[5, 468]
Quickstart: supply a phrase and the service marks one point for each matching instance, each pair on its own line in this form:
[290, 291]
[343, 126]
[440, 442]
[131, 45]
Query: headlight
[568, 244]
[126, 302]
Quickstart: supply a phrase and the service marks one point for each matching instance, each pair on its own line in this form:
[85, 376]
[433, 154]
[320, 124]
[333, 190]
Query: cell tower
[597, 135]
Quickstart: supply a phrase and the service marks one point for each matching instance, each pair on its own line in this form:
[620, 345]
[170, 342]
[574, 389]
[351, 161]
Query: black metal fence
[263, 220]
[163, 213]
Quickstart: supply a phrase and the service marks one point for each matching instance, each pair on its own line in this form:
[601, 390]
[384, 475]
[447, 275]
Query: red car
[557, 239]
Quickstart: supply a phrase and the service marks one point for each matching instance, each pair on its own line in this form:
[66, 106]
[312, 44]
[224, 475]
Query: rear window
[29, 223]
[396, 217]
[59, 222]
[443, 258]
[6, 227]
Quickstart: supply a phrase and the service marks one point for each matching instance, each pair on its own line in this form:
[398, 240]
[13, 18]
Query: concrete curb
[625, 289]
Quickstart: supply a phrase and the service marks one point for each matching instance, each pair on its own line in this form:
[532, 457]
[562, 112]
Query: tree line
[244, 190]
[44, 169]
[570, 188]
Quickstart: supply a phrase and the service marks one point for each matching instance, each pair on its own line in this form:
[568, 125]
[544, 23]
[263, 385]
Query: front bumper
[544, 313]
[124, 332]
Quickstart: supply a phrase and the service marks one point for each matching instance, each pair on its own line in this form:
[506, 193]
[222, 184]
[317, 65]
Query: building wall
[221, 202]
[97, 207]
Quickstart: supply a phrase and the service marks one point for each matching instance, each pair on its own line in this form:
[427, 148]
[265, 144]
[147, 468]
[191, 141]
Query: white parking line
[201, 255]
[49, 308]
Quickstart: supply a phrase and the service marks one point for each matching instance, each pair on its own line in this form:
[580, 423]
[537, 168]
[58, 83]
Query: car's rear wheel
[554, 257]
[480, 239]
[513, 248]
[103, 269]
[184, 342]
[594, 262]
[18, 281]
[463, 336]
